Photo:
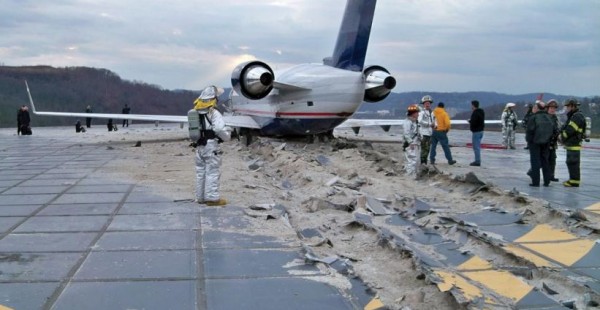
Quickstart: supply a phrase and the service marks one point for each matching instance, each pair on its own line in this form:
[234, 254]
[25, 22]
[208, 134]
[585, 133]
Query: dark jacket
[477, 120]
[573, 130]
[555, 136]
[540, 128]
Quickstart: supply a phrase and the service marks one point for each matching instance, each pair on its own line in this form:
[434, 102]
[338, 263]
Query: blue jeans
[442, 138]
[477, 136]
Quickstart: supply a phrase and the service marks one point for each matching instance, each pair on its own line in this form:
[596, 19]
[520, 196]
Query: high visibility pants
[573, 162]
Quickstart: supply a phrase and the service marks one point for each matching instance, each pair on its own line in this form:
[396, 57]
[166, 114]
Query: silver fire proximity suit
[212, 131]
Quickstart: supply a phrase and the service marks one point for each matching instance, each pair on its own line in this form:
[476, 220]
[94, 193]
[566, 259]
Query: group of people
[544, 132]
[424, 129]
[109, 125]
[23, 121]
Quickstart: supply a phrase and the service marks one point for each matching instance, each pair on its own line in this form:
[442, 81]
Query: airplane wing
[230, 120]
[140, 117]
[386, 124]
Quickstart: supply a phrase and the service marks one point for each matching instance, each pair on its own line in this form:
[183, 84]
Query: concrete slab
[158, 208]
[89, 197]
[121, 265]
[6, 200]
[63, 224]
[215, 239]
[275, 294]
[7, 222]
[22, 210]
[21, 267]
[26, 295]
[250, 263]
[129, 295]
[45, 242]
[79, 209]
[147, 240]
[154, 222]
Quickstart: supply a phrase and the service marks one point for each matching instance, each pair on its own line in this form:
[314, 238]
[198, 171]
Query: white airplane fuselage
[330, 96]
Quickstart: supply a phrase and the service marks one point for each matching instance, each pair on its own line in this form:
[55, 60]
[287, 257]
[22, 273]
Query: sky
[505, 46]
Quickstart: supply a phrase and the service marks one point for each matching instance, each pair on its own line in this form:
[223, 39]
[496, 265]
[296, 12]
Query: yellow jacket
[442, 120]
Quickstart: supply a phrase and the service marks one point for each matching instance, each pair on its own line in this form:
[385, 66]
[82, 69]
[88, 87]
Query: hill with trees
[72, 89]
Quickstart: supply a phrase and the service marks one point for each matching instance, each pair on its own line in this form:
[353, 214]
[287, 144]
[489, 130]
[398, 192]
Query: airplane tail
[353, 38]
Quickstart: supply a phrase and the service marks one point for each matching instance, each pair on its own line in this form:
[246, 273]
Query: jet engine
[378, 83]
[252, 79]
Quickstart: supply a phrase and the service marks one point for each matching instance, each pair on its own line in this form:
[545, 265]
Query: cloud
[505, 46]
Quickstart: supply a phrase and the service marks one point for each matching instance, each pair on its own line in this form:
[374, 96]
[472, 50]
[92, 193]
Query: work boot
[216, 203]
[571, 183]
[452, 162]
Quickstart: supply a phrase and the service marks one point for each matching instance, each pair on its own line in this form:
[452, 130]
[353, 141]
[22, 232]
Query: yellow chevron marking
[451, 280]
[374, 304]
[545, 232]
[566, 253]
[536, 260]
[502, 282]
[595, 208]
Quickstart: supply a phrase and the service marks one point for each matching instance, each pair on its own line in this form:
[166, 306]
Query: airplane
[304, 100]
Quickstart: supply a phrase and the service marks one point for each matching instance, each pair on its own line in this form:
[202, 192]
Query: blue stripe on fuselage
[351, 46]
[296, 127]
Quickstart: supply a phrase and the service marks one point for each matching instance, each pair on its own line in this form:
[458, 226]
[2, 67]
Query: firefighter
[509, 126]
[572, 135]
[207, 125]
[552, 106]
[412, 140]
[425, 122]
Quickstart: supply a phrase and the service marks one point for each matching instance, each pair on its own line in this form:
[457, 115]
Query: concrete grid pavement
[72, 239]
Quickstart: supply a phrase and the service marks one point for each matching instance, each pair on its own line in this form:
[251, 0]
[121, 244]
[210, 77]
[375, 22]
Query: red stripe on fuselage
[279, 114]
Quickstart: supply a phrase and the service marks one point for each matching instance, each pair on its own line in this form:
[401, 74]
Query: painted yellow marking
[502, 282]
[595, 208]
[545, 232]
[5, 308]
[566, 253]
[374, 304]
[536, 260]
[451, 280]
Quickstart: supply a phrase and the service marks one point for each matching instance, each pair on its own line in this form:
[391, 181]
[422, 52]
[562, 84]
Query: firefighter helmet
[426, 98]
[552, 103]
[413, 108]
[571, 102]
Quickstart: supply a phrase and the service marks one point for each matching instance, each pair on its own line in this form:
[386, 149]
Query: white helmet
[426, 98]
[510, 105]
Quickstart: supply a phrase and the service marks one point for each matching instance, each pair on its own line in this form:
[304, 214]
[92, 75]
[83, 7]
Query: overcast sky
[508, 46]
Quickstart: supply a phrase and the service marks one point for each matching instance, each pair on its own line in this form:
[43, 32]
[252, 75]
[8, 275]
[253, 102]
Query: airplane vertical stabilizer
[351, 46]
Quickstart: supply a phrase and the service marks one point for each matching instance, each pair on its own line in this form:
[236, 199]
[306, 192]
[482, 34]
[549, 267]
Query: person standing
[126, 110]
[88, 120]
[552, 106]
[412, 140]
[209, 126]
[528, 114]
[476, 125]
[540, 129]
[441, 127]
[509, 126]
[425, 121]
[25, 120]
[19, 120]
[571, 136]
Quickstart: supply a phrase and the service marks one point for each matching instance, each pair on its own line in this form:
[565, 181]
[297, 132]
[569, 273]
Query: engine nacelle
[252, 79]
[378, 83]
